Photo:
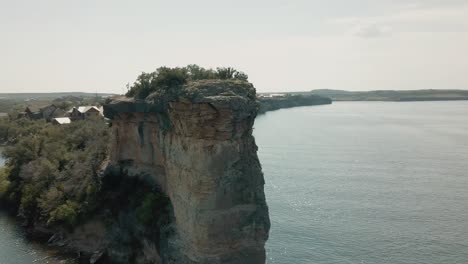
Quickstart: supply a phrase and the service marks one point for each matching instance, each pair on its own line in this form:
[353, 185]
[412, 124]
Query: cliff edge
[198, 149]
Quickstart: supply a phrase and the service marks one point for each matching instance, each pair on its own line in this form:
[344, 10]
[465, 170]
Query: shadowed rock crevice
[198, 146]
[138, 216]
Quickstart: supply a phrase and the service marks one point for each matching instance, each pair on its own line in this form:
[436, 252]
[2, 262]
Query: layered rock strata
[198, 147]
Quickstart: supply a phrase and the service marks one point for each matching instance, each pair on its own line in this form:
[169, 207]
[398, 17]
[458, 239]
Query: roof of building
[57, 113]
[84, 109]
[33, 109]
[62, 120]
[37, 109]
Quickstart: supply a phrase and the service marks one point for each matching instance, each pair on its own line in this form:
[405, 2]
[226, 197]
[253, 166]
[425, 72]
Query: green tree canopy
[167, 80]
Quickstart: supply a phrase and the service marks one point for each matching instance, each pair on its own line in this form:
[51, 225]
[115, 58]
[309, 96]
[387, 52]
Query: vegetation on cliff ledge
[196, 83]
[169, 81]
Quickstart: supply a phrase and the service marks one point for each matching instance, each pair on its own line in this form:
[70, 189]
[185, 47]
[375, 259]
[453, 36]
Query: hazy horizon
[284, 46]
[265, 92]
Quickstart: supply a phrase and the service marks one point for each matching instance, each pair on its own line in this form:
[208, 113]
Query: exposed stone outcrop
[289, 101]
[200, 150]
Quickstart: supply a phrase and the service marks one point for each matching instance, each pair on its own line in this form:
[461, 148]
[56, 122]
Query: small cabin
[33, 112]
[47, 112]
[91, 112]
[83, 112]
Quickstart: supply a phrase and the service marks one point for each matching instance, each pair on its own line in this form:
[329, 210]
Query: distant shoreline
[388, 95]
[402, 101]
[289, 101]
[9, 96]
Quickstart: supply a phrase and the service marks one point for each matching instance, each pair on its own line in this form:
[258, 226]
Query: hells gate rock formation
[198, 147]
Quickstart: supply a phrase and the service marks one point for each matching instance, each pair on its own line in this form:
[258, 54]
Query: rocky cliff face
[289, 101]
[200, 151]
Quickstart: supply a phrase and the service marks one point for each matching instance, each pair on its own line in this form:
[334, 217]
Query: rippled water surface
[14, 249]
[367, 182]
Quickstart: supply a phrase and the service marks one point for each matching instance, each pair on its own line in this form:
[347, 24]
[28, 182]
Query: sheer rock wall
[200, 150]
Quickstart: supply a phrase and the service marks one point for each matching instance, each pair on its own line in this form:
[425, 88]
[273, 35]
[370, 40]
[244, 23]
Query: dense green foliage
[11, 131]
[51, 172]
[167, 81]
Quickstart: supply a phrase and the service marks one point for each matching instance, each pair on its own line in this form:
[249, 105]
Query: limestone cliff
[198, 147]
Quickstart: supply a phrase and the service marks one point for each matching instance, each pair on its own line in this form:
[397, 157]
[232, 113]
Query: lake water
[352, 182]
[16, 249]
[367, 182]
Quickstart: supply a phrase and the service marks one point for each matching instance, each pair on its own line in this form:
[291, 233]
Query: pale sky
[283, 45]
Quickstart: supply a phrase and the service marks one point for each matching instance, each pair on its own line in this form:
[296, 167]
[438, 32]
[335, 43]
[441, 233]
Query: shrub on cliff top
[169, 81]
